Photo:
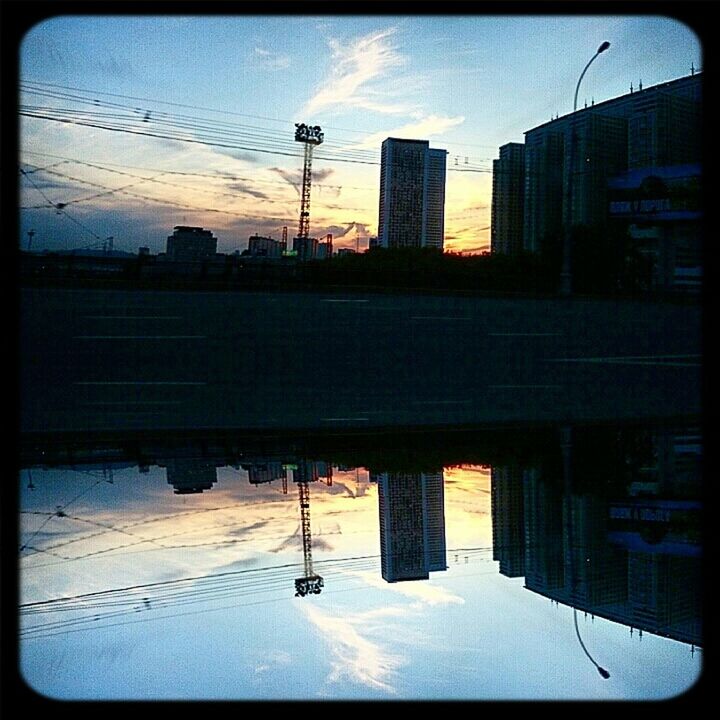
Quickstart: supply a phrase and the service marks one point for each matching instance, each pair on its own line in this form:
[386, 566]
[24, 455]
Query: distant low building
[189, 476]
[190, 244]
[259, 246]
[345, 251]
[324, 251]
[306, 248]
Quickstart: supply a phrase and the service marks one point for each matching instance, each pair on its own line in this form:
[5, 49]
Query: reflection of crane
[310, 583]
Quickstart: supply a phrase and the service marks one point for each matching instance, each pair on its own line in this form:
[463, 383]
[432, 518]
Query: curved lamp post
[565, 280]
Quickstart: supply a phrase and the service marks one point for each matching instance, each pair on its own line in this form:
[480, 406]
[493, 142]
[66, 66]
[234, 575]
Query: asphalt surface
[129, 360]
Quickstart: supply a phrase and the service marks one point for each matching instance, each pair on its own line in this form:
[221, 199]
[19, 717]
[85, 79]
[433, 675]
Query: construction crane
[310, 583]
[310, 136]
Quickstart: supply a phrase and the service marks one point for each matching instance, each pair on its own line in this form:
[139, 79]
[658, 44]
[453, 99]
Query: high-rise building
[508, 192]
[412, 525]
[190, 244]
[543, 196]
[412, 194]
[600, 153]
[656, 128]
[663, 130]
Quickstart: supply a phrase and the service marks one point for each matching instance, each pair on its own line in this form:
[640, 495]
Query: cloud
[422, 129]
[235, 154]
[355, 64]
[269, 60]
[355, 657]
[246, 190]
[362, 230]
[294, 177]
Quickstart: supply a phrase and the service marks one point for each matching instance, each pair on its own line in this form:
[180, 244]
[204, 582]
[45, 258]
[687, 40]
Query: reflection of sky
[467, 632]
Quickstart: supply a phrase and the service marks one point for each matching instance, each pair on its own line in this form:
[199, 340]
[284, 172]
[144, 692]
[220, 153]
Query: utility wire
[206, 109]
[59, 207]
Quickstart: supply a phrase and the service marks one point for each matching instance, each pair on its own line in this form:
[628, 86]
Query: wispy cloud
[294, 177]
[356, 64]
[422, 591]
[422, 128]
[354, 656]
[246, 189]
[270, 60]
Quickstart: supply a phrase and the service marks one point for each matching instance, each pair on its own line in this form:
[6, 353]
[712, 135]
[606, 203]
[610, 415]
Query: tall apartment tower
[412, 194]
[508, 190]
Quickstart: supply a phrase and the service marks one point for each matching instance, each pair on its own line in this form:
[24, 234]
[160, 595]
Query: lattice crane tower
[310, 136]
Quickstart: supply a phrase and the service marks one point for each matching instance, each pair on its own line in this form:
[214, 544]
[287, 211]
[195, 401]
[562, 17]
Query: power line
[161, 201]
[162, 117]
[220, 175]
[59, 207]
[212, 110]
[189, 140]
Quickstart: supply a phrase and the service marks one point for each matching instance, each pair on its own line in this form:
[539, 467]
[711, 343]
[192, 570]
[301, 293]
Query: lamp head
[603, 672]
[603, 47]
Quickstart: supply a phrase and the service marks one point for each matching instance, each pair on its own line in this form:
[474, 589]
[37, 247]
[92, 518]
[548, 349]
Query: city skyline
[466, 84]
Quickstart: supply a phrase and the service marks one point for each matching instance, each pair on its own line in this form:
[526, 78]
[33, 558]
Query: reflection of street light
[566, 449]
[565, 284]
[601, 670]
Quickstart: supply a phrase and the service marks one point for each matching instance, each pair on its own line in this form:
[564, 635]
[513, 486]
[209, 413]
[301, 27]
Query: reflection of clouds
[356, 658]
[273, 660]
[356, 655]
[420, 590]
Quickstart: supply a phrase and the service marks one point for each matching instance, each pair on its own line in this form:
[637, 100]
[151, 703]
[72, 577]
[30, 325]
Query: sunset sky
[166, 87]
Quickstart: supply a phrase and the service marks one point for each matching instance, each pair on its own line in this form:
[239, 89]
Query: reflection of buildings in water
[543, 531]
[190, 475]
[412, 524]
[261, 472]
[633, 560]
[508, 519]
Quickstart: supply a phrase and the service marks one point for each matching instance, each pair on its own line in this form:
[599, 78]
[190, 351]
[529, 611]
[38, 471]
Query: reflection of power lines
[60, 511]
[107, 608]
[93, 610]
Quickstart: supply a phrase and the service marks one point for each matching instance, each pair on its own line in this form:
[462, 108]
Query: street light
[565, 279]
